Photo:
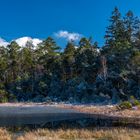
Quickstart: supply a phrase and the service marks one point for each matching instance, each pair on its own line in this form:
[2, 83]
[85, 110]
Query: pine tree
[68, 60]
[3, 66]
[70, 49]
[131, 26]
[13, 61]
[116, 31]
[49, 46]
[85, 42]
[48, 52]
[85, 59]
[137, 40]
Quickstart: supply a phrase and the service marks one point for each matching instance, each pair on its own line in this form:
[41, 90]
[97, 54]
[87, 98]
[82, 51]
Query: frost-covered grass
[110, 110]
[72, 134]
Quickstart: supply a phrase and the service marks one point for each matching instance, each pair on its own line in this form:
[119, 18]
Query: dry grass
[105, 110]
[72, 134]
[4, 134]
[80, 134]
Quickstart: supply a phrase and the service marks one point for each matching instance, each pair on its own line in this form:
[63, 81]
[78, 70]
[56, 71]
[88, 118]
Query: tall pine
[116, 31]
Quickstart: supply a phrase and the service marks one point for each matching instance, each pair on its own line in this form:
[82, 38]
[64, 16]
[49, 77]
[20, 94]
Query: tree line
[85, 73]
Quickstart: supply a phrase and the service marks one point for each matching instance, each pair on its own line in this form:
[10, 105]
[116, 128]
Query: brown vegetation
[72, 134]
[106, 110]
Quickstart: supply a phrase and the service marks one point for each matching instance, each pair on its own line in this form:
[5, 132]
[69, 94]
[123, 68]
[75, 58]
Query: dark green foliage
[115, 34]
[131, 24]
[83, 72]
[3, 96]
[134, 101]
[125, 105]
[129, 104]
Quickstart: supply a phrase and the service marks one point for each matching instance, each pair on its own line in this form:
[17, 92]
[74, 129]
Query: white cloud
[23, 41]
[36, 41]
[67, 35]
[3, 42]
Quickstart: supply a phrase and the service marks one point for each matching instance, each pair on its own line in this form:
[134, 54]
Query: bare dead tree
[103, 71]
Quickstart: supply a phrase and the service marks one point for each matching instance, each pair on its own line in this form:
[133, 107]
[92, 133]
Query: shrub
[136, 59]
[12, 98]
[125, 105]
[3, 96]
[134, 101]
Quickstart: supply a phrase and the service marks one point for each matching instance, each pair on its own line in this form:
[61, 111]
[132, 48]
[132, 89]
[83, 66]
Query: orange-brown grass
[73, 134]
[5, 135]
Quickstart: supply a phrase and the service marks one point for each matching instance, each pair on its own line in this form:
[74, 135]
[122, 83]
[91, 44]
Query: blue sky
[43, 18]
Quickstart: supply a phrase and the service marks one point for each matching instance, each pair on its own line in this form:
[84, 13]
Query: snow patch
[23, 41]
[3, 42]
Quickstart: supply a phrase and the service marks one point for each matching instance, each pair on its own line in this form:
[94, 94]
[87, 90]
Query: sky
[61, 19]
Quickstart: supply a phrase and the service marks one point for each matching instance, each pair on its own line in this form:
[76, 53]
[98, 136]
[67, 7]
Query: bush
[125, 105]
[134, 101]
[3, 96]
[12, 98]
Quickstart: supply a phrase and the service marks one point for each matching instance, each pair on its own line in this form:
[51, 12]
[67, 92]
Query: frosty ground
[110, 110]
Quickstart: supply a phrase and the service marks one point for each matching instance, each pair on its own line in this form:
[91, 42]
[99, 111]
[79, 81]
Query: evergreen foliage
[84, 72]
